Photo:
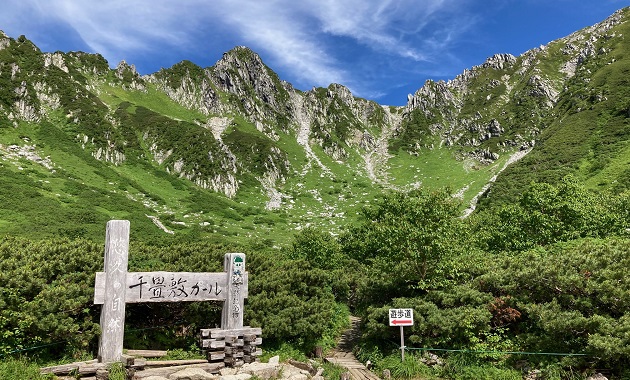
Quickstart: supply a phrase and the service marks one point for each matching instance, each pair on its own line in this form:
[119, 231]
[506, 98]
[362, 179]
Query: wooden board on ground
[147, 353]
[167, 371]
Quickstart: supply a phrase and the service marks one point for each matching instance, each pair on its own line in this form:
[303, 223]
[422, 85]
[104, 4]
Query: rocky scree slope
[247, 127]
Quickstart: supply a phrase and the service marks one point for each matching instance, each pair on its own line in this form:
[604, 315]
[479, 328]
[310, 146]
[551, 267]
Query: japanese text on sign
[169, 286]
[401, 317]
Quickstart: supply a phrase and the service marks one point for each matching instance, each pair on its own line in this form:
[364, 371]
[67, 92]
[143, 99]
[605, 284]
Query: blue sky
[381, 49]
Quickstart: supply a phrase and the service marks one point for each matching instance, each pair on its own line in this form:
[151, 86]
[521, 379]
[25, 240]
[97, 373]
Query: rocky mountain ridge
[504, 79]
[237, 127]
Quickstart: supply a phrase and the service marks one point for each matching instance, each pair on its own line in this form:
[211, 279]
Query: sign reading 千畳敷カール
[401, 317]
[115, 287]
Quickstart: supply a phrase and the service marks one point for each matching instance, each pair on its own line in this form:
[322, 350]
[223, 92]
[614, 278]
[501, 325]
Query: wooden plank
[147, 353]
[113, 310]
[163, 286]
[218, 355]
[212, 343]
[235, 354]
[249, 337]
[139, 363]
[62, 369]
[127, 360]
[354, 374]
[221, 333]
[90, 369]
[236, 343]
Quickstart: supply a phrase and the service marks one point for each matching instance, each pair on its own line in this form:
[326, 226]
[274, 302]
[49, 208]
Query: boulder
[192, 374]
[290, 372]
[303, 366]
[263, 371]
[240, 376]
[228, 371]
[274, 360]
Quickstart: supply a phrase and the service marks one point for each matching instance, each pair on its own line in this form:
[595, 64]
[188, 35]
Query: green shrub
[410, 368]
[292, 300]
[20, 369]
[46, 294]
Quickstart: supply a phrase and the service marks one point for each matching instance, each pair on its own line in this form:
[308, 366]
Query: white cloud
[297, 34]
[117, 26]
[368, 22]
[298, 37]
[283, 32]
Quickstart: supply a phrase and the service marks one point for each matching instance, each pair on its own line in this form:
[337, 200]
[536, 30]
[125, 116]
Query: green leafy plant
[116, 371]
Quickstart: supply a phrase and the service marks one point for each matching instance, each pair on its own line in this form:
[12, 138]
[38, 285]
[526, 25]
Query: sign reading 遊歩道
[401, 317]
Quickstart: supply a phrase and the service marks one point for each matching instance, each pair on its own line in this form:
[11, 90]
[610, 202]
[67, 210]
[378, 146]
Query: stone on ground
[192, 374]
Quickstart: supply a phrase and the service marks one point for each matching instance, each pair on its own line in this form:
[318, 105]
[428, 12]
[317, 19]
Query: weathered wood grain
[222, 333]
[163, 286]
[233, 306]
[212, 343]
[113, 310]
[147, 353]
[170, 363]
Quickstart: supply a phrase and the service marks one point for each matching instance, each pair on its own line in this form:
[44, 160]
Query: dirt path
[343, 356]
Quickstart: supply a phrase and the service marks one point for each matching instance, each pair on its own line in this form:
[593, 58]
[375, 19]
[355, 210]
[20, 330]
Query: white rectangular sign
[401, 317]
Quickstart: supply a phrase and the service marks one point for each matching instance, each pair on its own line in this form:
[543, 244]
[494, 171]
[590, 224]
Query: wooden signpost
[116, 287]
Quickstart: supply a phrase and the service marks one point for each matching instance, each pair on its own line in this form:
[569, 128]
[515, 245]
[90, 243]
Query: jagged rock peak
[241, 71]
[430, 96]
[56, 59]
[129, 76]
[341, 91]
[4, 40]
[499, 61]
[587, 35]
[124, 66]
[23, 40]
[239, 55]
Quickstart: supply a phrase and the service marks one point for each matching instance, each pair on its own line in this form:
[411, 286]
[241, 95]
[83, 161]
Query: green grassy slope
[52, 184]
[588, 130]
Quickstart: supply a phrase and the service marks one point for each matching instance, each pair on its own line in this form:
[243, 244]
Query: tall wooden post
[113, 310]
[232, 316]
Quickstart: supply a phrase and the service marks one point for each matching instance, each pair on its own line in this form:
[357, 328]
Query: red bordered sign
[401, 317]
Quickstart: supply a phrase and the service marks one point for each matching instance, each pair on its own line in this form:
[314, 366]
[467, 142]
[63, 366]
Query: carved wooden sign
[116, 287]
[169, 287]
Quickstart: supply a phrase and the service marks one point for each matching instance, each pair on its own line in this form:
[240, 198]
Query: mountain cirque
[237, 128]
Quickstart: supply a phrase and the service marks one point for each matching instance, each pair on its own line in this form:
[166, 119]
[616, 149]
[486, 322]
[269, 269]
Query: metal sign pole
[400, 318]
[402, 343]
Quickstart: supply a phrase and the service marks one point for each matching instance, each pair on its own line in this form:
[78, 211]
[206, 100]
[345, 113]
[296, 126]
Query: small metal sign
[401, 317]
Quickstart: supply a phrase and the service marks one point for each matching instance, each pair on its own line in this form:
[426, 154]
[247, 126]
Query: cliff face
[241, 122]
[241, 85]
[506, 101]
